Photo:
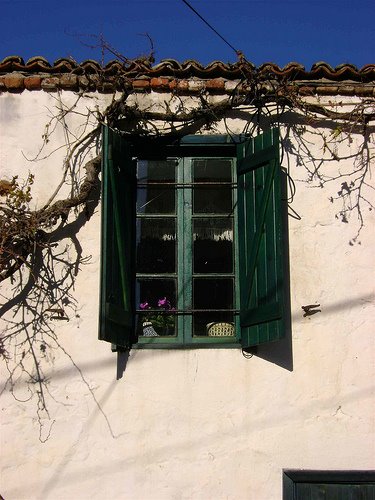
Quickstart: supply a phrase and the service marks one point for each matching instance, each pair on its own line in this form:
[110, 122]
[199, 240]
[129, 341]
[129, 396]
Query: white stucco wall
[197, 424]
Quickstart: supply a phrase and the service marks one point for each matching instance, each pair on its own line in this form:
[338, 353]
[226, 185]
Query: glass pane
[212, 198]
[219, 324]
[209, 293]
[152, 196]
[156, 245]
[156, 304]
[212, 169]
[213, 245]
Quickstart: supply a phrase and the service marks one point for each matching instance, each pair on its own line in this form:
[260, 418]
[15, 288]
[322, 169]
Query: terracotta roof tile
[189, 75]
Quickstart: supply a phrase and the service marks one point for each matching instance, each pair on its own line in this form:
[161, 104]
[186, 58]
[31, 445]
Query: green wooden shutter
[116, 322]
[260, 239]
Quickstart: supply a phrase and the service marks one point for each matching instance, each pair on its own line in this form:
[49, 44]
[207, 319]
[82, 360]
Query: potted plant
[158, 320]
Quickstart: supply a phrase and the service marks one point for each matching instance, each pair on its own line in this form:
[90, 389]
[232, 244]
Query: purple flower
[144, 305]
[164, 303]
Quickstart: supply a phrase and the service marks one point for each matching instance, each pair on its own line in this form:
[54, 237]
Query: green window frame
[185, 218]
[258, 241]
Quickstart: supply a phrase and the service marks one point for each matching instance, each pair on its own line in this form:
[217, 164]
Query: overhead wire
[238, 52]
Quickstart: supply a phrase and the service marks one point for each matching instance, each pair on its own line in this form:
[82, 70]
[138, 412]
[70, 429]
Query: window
[303, 484]
[185, 250]
[191, 242]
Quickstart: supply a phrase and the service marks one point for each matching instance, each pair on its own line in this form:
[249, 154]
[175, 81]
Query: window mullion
[187, 250]
[180, 248]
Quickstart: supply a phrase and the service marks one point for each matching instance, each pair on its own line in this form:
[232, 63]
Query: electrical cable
[238, 52]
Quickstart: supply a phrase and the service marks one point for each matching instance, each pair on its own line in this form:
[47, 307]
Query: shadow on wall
[72, 472]
[43, 294]
[281, 352]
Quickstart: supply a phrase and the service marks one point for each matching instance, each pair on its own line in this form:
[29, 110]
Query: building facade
[182, 417]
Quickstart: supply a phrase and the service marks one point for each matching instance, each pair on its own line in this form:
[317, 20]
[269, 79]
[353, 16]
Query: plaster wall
[196, 424]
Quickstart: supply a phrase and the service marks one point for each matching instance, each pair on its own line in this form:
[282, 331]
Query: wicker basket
[220, 329]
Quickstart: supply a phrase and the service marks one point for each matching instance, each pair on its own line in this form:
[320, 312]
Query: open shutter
[260, 239]
[116, 322]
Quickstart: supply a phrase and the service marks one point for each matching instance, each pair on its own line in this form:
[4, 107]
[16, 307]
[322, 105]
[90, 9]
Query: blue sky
[335, 31]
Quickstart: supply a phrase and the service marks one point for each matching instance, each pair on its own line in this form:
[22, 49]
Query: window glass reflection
[213, 245]
[213, 193]
[156, 245]
[215, 294]
[156, 190]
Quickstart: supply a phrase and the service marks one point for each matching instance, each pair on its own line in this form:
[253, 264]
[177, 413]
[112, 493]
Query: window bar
[186, 184]
[184, 311]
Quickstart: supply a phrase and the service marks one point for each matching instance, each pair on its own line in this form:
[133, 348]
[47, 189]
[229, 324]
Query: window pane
[213, 245]
[219, 324]
[212, 169]
[152, 196]
[156, 304]
[212, 198]
[156, 245]
[209, 293]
